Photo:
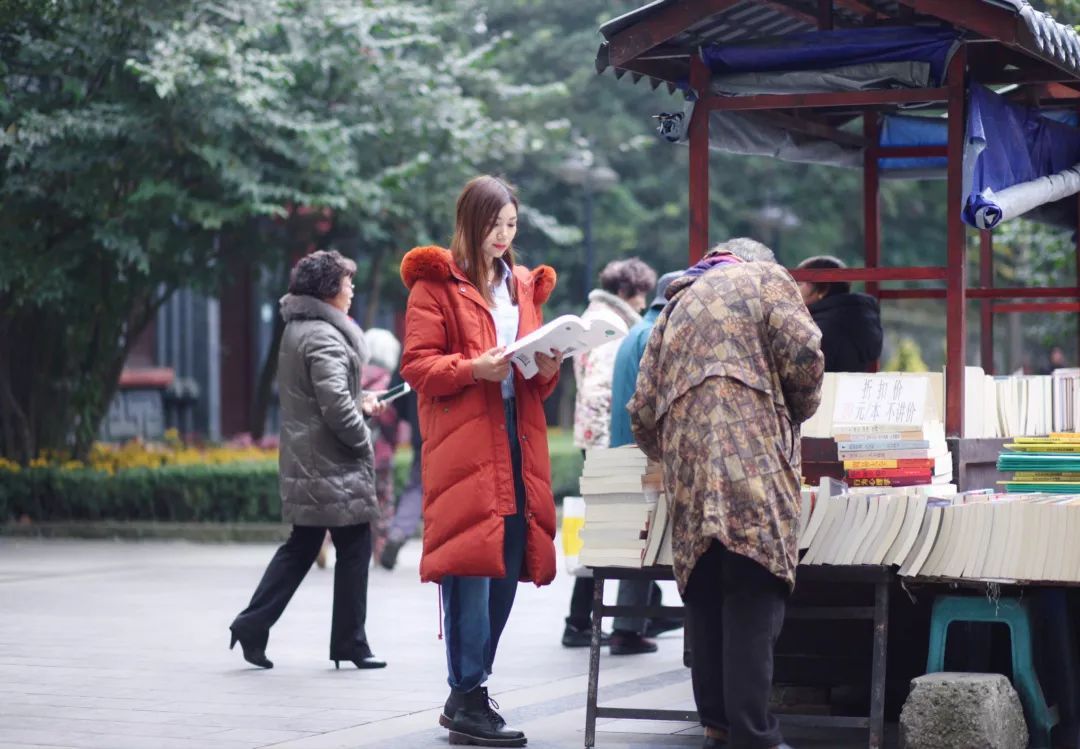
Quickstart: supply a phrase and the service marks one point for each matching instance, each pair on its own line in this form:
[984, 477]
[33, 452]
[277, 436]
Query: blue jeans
[475, 609]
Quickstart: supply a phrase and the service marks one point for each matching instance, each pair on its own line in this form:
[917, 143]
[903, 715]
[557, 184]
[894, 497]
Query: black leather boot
[453, 702]
[254, 648]
[477, 724]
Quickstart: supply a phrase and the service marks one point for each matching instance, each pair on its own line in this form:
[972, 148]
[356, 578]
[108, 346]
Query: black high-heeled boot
[367, 661]
[361, 657]
[253, 654]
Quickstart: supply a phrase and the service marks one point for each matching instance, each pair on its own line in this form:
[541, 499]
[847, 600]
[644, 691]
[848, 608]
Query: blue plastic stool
[1015, 613]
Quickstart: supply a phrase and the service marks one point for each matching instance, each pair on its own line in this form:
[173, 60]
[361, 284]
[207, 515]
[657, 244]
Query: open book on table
[568, 334]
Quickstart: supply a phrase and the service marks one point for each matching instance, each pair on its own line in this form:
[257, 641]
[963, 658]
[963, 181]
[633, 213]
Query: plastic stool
[1015, 613]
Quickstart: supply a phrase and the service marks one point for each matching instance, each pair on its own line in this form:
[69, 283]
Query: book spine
[922, 454]
[897, 481]
[868, 429]
[890, 473]
[890, 436]
[926, 464]
[1046, 476]
[884, 445]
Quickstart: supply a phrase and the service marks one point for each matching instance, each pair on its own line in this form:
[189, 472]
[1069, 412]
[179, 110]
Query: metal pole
[590, 256]
[956, 294]
[986, 306]
[699, 160]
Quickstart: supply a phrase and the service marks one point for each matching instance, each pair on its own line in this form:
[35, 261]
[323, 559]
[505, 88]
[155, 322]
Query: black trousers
[287, 569]
[581, 603]
[735, 609]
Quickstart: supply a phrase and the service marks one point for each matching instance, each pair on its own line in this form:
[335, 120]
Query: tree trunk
[17, 444]
[59, 372]
[263, 390]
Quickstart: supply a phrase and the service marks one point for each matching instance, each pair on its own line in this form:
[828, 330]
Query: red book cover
[900, 481]
[890, 473]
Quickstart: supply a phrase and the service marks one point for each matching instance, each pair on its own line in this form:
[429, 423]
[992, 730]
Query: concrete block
[961, 711]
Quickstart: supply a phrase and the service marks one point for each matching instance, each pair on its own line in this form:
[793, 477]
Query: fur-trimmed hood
[301, 307]
[432, 263]
[616, 304]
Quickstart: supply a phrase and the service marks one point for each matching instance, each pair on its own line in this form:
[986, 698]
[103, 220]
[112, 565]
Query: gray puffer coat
[327, 464]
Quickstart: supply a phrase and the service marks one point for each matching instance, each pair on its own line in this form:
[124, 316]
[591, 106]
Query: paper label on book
[895, 401]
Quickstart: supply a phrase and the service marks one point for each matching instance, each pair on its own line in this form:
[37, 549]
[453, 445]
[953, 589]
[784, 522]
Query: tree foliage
[148, 146]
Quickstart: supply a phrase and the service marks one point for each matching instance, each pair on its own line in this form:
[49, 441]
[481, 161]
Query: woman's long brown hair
[478, 208]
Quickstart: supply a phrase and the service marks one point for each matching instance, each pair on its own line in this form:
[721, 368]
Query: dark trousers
[475, 609]
[735, 609]
[287, 569]
[636, 593]
[631, 593]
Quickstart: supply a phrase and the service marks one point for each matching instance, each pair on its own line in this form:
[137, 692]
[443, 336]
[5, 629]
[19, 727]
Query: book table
[879, 577]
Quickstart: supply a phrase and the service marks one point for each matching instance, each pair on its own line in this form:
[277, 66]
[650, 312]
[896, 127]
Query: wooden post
[699, 160]
[871, 201]
[986, 306]
[956, 284]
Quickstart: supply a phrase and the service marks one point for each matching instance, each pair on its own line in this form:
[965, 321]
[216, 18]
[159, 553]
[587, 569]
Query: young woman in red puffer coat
[489, 517]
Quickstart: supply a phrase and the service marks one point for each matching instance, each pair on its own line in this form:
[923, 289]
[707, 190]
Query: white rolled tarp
[1018, 199]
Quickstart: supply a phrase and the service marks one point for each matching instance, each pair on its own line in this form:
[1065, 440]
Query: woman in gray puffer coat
[327, 463]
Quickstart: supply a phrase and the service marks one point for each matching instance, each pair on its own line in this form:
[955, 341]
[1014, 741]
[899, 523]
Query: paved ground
[123, 645]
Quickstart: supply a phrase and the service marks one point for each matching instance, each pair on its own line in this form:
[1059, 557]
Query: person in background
[385, 353]
[326, 461]
[850, 322]
[629, 634]
[407, 514]
[619, 301]
[732, 368]
[489, 514]
[1055, 360]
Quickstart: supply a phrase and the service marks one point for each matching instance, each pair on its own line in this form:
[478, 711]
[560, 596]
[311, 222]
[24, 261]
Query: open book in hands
[568, 334]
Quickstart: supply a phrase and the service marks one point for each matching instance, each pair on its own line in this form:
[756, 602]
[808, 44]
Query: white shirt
[506, 316]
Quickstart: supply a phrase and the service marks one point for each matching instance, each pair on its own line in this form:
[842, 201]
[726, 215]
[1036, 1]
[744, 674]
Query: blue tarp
[1006, 145]
[824, 49]
[903, 130]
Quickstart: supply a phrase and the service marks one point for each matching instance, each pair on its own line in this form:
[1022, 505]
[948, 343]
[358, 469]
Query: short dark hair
[627, 278]
[319, 274]
[826, 262]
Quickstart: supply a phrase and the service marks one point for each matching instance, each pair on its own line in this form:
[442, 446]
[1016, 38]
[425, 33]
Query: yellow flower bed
[136, 454]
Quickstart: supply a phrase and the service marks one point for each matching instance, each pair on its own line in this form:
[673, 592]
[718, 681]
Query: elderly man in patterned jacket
[732, 368]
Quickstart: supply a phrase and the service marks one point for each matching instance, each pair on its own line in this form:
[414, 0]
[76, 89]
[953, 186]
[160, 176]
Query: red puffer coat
[467, 474]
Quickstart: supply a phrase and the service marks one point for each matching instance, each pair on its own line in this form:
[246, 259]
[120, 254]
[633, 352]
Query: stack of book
[621, 490]
[1043, 464]
[983, 536]
[976, 535]
[859, 528]
[882, 456]
[1065, 387]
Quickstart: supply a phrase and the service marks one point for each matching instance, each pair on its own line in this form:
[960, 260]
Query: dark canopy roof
[1021, 43]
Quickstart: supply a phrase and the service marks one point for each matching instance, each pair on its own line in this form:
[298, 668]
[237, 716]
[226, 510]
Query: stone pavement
[123, 645]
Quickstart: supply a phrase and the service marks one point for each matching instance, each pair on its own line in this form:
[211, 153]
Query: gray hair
[744, 248]
[384, 348]
[627, 278]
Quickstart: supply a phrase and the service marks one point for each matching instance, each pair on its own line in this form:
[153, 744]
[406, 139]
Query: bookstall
[913, 89]
[881, 63]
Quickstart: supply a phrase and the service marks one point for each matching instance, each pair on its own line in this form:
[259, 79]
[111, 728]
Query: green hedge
[235, 492]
